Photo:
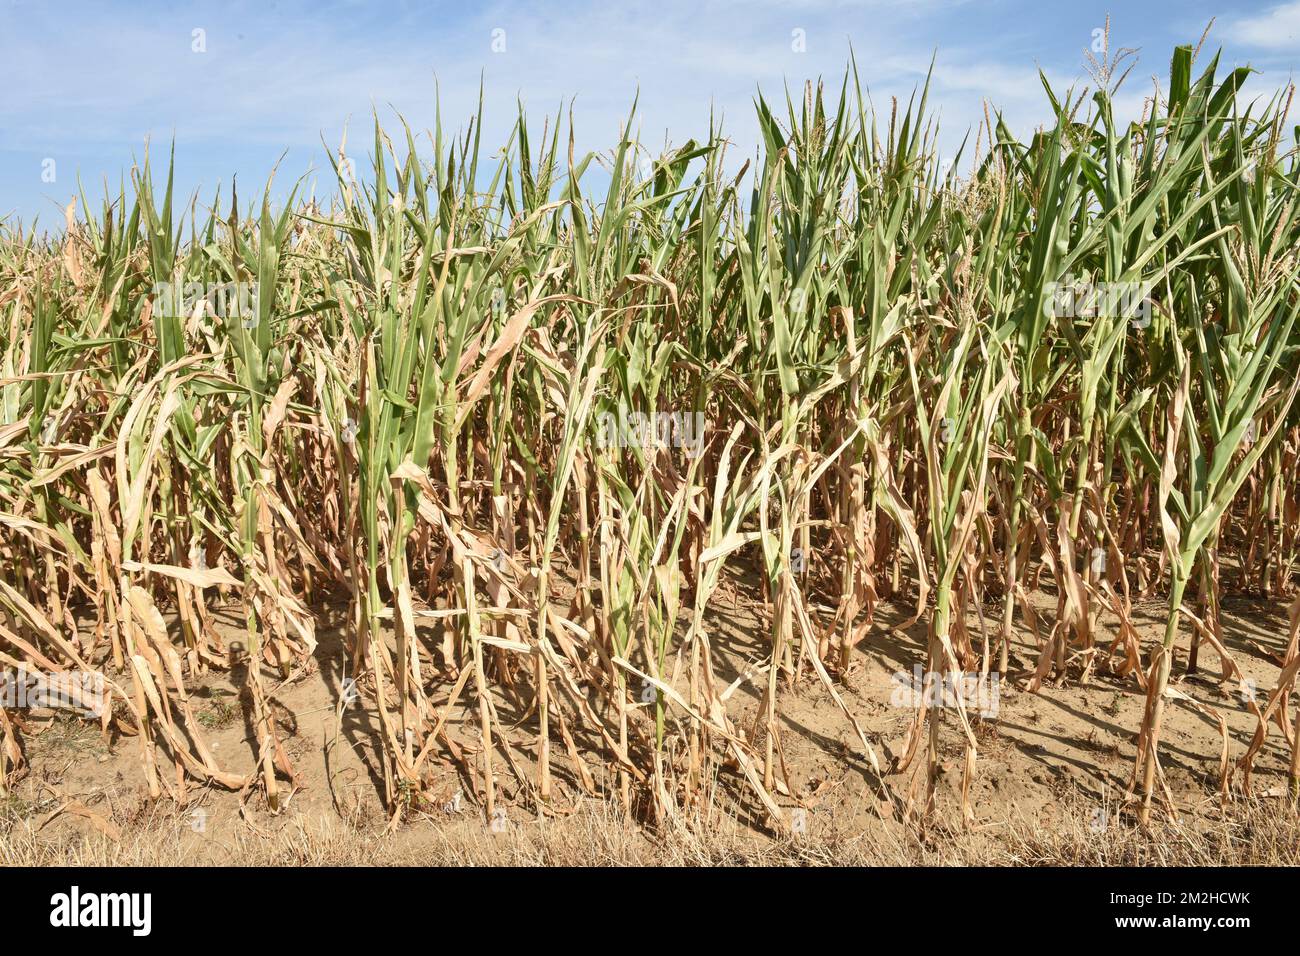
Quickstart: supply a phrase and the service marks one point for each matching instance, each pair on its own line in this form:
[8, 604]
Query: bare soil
[1052, 772]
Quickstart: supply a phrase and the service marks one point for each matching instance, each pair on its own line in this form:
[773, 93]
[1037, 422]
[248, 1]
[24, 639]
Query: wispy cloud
[87, 83]
[1277, 29]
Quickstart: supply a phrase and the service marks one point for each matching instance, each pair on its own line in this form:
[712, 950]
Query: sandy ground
[1052, 771]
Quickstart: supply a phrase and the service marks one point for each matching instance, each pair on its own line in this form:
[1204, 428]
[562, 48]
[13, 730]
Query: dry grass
[1265, 833]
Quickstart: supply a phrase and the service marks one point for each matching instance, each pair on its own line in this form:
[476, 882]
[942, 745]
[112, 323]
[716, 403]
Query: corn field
[524, 432]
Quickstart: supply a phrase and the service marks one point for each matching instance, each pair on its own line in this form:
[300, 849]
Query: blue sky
[86, 83]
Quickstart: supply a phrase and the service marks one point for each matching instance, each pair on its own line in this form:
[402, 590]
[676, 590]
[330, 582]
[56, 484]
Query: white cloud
[1278, 29]
[117, 81]
[88, 82]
